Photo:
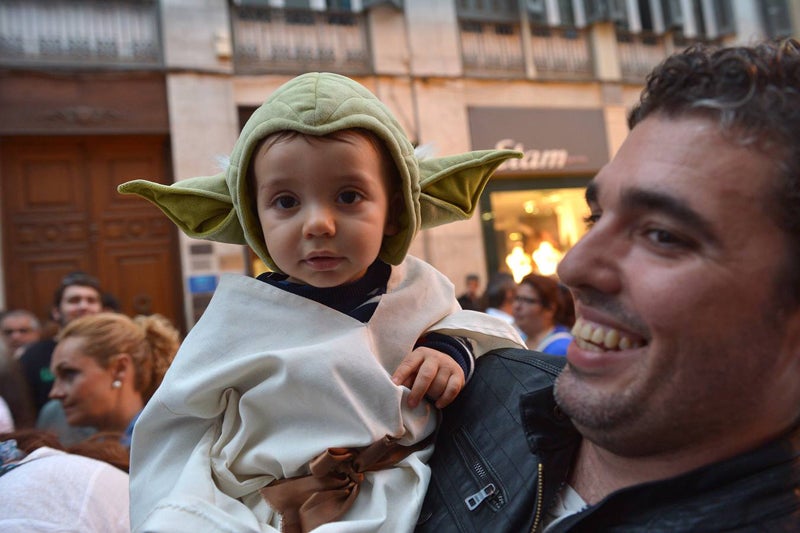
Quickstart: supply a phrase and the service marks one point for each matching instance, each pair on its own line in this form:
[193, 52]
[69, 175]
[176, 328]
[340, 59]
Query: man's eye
[349, 197]
[284, 202]
[591, 220]
[663, 237]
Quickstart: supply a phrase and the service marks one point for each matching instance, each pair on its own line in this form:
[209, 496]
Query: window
[704, 19]
[777, 19]
[488, 10]
[529, 229]
[611, 10]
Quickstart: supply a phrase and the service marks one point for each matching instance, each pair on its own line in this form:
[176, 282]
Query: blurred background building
[97, 92]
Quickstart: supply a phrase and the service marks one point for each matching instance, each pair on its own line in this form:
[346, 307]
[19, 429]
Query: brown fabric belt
[306, 502]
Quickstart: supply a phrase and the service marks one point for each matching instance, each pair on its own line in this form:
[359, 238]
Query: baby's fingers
[407, 369]
[425, 377]
[451, 390]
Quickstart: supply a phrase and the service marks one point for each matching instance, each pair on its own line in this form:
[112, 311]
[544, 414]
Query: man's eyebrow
[639, 199]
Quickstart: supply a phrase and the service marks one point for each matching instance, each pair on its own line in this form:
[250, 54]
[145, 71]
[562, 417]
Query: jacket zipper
[489, 489]
[539, 495]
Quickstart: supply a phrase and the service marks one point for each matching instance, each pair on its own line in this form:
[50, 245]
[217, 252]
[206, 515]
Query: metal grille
[491, 48]
[639, 53]
[286, 40]
[99, 32]
[561, 53]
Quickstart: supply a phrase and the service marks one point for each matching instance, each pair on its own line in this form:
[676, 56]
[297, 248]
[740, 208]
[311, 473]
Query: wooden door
[62, 212]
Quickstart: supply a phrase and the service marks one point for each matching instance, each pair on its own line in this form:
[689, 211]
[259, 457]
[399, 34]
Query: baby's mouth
[597, 338]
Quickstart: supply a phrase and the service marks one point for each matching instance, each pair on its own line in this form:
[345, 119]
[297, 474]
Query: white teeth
[594, 337]
[587, 345]
[612, 338]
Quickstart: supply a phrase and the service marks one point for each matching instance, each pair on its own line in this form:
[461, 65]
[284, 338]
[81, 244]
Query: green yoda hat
[219, 208]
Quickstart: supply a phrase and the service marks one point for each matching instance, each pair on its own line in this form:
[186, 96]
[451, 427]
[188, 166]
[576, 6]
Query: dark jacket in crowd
[504, 450]
[35, 363]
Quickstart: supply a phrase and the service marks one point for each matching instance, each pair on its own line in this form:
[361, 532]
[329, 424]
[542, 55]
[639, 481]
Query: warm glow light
[519, 263]
[546, 258]
[529, 207]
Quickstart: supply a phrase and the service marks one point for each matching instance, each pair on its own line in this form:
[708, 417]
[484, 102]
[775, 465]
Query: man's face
[18, 330]
[680, 342]
[473, 286]
[78, 301]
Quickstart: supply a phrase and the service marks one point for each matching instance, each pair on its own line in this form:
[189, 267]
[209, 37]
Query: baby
[287, 407]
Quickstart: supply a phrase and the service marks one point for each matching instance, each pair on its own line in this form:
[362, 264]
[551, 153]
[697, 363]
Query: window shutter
[398, 4]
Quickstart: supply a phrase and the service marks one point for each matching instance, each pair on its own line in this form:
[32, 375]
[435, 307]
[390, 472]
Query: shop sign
[552, 140]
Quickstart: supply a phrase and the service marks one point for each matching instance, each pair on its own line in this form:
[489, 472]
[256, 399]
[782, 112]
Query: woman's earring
[116, 384]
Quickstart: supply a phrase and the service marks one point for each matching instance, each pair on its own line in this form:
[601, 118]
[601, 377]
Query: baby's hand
[430, 372]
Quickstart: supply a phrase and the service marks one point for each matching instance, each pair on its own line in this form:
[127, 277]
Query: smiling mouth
[597, 338]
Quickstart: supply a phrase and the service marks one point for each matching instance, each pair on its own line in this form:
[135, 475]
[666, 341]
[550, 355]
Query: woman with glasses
[543, 310]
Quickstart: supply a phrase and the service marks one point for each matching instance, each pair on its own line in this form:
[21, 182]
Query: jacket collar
[747, 489]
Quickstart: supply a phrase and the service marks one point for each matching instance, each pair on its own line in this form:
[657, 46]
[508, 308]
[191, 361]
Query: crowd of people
[539, 307]
[652, 385]
[68, 403]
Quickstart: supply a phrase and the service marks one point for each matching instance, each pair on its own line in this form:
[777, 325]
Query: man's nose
[594, 261]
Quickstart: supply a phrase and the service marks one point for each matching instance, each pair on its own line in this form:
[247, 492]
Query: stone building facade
[93, 93]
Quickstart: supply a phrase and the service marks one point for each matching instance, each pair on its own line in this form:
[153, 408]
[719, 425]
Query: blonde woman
[108, 365]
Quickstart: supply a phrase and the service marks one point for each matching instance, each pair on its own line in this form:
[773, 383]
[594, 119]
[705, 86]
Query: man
[78, 294]
[678, 406]
[19, 328]
[471, 299]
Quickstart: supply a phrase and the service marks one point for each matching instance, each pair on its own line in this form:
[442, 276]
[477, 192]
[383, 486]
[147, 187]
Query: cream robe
[267, 380]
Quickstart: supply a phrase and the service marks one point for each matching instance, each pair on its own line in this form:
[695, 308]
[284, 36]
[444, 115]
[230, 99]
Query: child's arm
[452, 343]
[436, 368]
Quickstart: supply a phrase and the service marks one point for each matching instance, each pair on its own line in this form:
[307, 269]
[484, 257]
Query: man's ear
[55, 314]
[395, 209]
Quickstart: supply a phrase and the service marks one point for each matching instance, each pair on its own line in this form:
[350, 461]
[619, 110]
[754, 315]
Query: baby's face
[323, 206]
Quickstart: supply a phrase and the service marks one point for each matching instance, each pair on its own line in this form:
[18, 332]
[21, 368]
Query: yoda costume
[277, 398]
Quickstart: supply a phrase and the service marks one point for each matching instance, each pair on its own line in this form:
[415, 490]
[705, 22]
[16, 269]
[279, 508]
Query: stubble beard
[615, 421]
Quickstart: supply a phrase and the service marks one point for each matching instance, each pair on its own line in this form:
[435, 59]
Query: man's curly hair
[753, 94]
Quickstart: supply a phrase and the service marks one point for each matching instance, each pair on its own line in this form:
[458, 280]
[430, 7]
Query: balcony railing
[285, 40]
[639, 53]
[561, 53]
[95, 33]
[491, 48]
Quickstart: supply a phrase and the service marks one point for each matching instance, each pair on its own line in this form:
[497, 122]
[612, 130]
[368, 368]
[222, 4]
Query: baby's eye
[284, 202]
[349, 197]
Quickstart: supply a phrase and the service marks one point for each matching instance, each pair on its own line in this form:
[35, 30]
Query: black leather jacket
[504, 450]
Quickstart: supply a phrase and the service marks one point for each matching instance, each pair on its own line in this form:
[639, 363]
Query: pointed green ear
[451, 186]
[200, 207]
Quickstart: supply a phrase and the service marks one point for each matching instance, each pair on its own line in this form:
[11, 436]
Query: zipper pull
[476, 499]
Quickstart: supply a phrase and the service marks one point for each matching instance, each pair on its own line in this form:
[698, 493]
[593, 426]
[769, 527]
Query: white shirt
[53, 491]
[568, 502]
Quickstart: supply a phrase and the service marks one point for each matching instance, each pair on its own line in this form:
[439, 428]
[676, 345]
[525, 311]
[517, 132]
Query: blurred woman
[544, 310]
[47, 487]
[107, 366]
[16, 404]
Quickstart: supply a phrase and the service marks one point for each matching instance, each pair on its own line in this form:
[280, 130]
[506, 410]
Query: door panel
[62, 212]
